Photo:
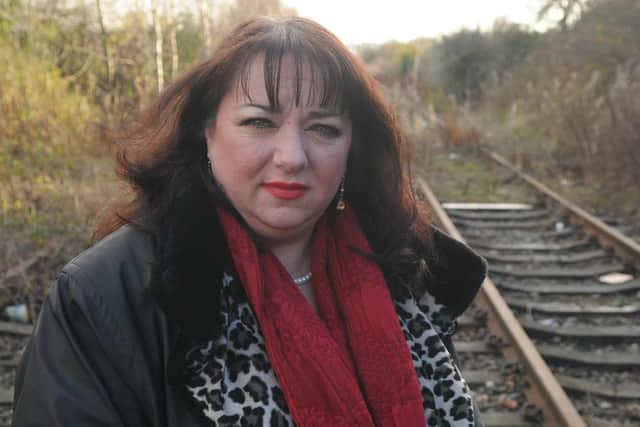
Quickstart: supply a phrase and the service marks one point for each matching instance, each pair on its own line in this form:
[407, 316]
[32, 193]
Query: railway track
[572, 287]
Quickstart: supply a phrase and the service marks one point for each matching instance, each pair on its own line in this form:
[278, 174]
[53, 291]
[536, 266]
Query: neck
[294, 255]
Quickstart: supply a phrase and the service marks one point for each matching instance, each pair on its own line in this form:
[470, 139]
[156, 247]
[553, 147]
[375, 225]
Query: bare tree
[569, 10]
[173, 38]
[108, 57]
[205, 8]
[157, 27]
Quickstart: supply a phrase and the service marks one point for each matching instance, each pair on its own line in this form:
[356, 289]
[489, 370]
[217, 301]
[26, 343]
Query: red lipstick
[285, 190]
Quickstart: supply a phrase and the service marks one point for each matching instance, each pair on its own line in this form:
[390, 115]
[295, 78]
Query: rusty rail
[544, 391]
[609, 237]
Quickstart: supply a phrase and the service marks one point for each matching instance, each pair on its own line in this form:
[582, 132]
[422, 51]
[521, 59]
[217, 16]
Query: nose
[290, 154]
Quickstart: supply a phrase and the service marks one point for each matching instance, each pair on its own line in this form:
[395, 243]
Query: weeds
[54, 167]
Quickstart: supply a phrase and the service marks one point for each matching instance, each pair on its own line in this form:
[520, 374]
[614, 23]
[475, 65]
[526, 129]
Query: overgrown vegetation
[564, 104]
[47, 136]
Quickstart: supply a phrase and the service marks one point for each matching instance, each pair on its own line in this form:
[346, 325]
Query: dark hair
[164, 157]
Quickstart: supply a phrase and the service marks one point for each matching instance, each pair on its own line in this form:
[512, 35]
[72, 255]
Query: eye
[258, 123]
[327, 131]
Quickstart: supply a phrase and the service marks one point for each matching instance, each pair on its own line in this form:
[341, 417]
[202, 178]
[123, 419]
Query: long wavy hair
[164, 159]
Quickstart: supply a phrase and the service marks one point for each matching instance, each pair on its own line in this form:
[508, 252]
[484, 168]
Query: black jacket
[109, 345]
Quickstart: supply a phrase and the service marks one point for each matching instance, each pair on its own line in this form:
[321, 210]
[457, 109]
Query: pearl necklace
[303, 279]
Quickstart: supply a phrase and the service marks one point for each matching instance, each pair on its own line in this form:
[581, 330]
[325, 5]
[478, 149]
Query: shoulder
[125, 254]
[96, 330]
[108, 285]
[454, 272]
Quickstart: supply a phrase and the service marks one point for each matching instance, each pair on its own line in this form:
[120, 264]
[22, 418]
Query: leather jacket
[108, 348]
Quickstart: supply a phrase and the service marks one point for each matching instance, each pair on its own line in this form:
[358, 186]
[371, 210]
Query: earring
[209, 167]
[341, 203]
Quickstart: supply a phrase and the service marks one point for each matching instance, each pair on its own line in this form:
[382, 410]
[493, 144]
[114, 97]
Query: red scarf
[348, 365]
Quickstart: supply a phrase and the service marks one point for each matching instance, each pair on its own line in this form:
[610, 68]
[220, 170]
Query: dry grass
[55, 171]
[457, 131]
[444, 152]
[580, 133]
[50, 217]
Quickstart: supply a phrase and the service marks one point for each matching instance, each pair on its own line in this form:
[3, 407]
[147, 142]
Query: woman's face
[280, 167]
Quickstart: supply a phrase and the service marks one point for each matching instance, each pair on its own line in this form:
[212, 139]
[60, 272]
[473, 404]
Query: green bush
[47, 134]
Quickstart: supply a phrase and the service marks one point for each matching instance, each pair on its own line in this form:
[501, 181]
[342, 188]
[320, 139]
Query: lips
[285, 190]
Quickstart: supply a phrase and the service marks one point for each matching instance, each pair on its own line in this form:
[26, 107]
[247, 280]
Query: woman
[273, 267]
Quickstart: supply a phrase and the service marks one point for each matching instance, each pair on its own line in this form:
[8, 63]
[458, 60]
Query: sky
[371, 21]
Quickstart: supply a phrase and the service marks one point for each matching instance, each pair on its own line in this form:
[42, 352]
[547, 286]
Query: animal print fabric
[232, 381]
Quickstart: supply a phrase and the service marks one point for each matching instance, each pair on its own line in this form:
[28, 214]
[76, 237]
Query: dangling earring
[341, 203]
[209, 167]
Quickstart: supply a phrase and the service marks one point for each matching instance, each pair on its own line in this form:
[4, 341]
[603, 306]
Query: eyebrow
[267, 108]
[277, 109]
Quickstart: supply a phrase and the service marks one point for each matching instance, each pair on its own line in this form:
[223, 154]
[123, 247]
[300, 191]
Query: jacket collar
[457, 272]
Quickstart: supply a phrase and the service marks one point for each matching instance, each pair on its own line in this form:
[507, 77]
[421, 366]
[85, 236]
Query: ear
[209, 132]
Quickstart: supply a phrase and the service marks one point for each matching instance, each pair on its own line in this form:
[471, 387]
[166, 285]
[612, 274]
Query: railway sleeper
[601, 332]
[571, 258]
[478, 378]
[6, 396]
[482, 215]
[494, 207]
[533, 247]
[598, 422]
[572, 309]
[507, 225]
[572, 289]
[507, 419]
[466, 321]
[610, 359]
[16, 328]
[10, 363]
[626, 390]
[557, 273]
[567, 231]
[492, 345]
